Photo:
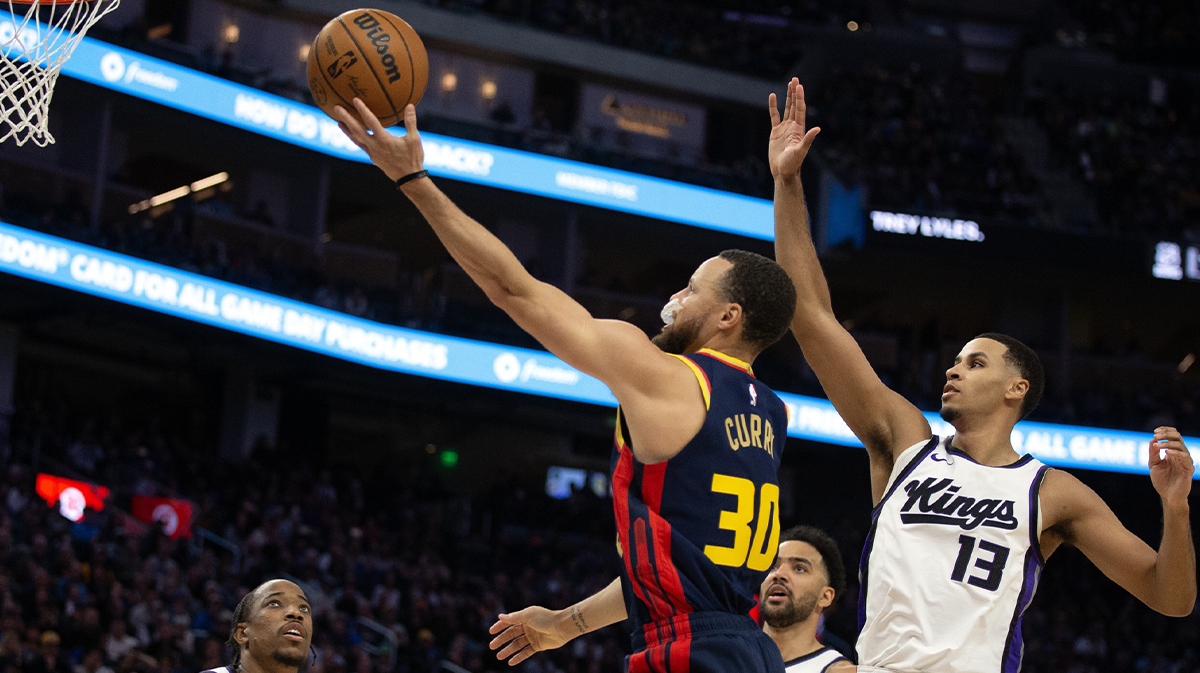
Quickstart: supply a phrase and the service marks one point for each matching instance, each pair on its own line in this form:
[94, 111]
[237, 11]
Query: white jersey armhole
[906, 456]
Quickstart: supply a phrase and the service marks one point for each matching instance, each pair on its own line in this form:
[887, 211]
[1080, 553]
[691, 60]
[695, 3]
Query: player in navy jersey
[697, 445]
[963, 524]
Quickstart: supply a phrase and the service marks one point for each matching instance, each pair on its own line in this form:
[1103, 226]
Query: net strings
[35, 41]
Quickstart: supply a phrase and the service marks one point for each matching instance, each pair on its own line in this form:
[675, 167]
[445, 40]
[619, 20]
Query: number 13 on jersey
[755, 543]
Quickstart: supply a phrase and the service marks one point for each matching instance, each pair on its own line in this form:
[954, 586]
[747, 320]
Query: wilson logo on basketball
[379, 39]
[339, 66]
[937, 501]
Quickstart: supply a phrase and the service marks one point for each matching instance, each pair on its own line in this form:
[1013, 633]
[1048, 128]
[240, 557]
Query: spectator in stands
[48, 659]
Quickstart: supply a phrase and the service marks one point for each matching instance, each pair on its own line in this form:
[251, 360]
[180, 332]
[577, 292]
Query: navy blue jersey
[699, 532]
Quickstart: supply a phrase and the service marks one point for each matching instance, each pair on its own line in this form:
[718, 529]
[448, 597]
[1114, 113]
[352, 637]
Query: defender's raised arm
[883, 420]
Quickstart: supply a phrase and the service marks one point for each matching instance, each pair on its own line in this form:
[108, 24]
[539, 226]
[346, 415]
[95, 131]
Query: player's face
[796, 587]
[280, 626]
[978, 380]
[697, 304]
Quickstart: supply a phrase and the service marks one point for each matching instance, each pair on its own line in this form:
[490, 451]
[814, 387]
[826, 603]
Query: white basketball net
[35, 40]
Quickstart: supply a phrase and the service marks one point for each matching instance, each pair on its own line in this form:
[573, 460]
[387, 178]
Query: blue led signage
[187, 295]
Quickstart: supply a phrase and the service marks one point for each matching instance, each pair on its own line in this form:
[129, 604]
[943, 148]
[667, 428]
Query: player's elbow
[1178, 603]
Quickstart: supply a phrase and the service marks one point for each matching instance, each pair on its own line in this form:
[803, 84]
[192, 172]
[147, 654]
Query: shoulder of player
[842, 665]
[637, 364]
[1064, 500]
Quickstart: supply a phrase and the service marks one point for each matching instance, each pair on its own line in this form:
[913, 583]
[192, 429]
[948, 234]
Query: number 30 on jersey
[755, 543]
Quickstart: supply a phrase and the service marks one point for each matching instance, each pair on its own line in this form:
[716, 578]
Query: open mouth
[777, 594]
[294, 634]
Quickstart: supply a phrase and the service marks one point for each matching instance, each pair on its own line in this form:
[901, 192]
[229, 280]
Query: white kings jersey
[950, 564]
[815, 662]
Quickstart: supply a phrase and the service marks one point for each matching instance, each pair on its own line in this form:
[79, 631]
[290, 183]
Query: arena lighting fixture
[304, 51]
[1186, 364]
[232, 33]
[160, 31]
[449, 82]
[488, 90]
[852, 26]
[179, 193]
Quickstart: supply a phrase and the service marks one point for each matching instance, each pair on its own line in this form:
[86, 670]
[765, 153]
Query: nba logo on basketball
[344, 61]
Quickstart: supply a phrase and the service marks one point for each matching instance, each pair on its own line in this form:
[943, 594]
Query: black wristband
[410, 177]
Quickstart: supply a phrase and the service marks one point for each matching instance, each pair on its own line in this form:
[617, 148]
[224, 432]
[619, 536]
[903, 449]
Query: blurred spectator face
[92, 660]
[50, 643]
[278, 626]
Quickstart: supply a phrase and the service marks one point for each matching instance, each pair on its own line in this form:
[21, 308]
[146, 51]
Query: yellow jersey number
[756, 551]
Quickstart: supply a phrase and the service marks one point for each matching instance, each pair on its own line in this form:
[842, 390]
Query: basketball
[369, 54]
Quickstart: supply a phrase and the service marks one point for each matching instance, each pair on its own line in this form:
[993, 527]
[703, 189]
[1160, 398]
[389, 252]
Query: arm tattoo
[578, 620]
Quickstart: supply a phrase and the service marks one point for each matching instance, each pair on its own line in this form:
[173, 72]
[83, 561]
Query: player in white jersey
[272, 630]
[963, 524]
[807, 577]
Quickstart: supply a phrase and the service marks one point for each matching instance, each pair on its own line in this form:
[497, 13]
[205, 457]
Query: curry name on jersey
[700, 531]
[950, 564]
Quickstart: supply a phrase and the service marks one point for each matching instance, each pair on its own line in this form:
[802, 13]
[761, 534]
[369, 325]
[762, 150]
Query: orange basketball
[372, 55]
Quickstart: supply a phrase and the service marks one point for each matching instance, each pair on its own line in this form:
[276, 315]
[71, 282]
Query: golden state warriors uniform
[699, 532]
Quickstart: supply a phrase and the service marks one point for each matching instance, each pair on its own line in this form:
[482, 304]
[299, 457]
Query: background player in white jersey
[807, 578]
[272, 630]
[953, 560]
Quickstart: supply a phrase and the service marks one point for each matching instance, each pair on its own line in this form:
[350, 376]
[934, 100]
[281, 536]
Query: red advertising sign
[72, 497]
[174, 514]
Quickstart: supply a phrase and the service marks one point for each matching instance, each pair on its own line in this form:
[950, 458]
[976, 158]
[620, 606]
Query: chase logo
[114, 69]
[507, 367]
[25, 37]
[112, 66]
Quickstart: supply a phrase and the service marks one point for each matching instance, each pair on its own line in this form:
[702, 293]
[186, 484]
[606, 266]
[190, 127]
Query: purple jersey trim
[870, 541]
[1014, 645]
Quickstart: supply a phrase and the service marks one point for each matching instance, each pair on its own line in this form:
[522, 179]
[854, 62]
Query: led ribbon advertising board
[171, 291]
[303, 125]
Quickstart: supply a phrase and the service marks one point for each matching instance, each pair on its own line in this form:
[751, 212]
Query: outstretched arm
[613, 351]
[883, 420]
[1164, 580]
[536, 629]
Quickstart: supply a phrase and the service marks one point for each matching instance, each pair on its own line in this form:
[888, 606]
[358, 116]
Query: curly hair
[764, 291]
[831, 557]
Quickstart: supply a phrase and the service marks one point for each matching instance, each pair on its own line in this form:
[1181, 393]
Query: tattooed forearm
[578, 620]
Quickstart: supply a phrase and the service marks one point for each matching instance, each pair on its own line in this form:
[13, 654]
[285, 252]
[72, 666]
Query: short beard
[676, 338]
[793, 613]
[950, 414]
[289, 659]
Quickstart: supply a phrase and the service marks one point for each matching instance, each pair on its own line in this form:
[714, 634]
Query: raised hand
[397, 156]
[526, 632]
[1171, 473]
[790, 141]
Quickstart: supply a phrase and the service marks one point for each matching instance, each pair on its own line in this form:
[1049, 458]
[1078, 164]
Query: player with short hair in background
[807, 578]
